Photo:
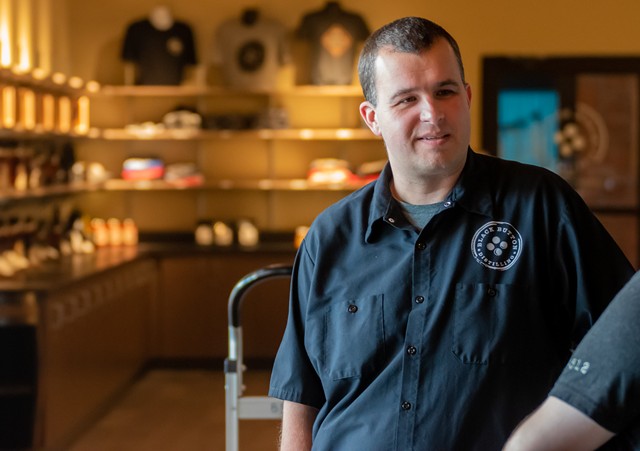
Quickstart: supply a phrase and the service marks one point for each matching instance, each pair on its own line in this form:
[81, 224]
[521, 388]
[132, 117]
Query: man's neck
[423, 193]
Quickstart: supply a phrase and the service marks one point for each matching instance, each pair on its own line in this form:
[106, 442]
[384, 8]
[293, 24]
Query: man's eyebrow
[440, 84]
[401, 92]
[448, 82]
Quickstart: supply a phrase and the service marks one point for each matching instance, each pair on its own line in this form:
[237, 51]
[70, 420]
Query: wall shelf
[248, 172]
[114, 185]
[57, 83]
[36, 135]
[305, 134]
[228, 185]
[205, 91]
[11, 196]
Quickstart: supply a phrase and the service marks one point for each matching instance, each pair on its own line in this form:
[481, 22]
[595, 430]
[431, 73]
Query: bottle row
[33, 165]
[29, 241]
[28, 109]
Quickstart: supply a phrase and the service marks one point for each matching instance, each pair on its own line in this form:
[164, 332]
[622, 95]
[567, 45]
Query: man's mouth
[433, 137]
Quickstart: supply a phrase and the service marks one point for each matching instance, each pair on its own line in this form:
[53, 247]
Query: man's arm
[557, 426]
[297, 423]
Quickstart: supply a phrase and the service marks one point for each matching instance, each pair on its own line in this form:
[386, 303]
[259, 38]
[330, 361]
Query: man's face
[423, 112]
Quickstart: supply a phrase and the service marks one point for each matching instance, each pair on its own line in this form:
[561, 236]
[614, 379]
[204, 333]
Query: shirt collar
[470, 192]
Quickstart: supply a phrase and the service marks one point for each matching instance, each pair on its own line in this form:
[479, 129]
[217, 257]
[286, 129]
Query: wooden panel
[93, 341]
[194, 296]
[624, 229]
[186, 312]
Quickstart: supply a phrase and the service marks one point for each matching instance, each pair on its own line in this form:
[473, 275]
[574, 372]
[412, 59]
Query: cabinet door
[93, 341]
[194, 294]
[186, 312]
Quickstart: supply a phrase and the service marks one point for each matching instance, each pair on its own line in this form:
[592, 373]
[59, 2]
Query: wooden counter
[54, 275]
[86, 325]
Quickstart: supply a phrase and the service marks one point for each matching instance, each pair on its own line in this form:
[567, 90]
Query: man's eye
[445, 92]
[406, 100]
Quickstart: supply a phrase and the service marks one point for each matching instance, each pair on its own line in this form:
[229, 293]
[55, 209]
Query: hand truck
[237, 406]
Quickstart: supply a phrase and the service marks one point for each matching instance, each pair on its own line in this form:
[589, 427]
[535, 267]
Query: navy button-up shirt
[443, 339]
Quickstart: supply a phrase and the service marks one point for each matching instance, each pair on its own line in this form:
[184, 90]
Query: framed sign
[575, 116]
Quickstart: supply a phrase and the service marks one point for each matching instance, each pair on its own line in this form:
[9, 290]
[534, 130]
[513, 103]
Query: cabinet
[193, 297]
[93, 339]
[258, 173]
[17, 382]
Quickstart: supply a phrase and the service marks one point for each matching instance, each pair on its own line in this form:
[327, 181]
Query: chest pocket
[353, 337]
[497, 324]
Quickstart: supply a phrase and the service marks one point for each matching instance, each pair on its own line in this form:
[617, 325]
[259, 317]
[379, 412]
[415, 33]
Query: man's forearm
[297, 424]
[557, 426]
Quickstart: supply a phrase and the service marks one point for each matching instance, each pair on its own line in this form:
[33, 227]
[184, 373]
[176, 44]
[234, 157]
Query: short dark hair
[406, 35]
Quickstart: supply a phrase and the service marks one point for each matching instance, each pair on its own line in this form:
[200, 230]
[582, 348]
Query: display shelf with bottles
[12, 196]
[41, 114]
[35, 104]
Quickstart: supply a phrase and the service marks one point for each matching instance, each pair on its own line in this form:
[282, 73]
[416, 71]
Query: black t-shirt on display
[161, 55]
[334, 35]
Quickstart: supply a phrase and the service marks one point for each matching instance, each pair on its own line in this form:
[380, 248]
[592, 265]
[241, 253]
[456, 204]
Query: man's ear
[368, 113]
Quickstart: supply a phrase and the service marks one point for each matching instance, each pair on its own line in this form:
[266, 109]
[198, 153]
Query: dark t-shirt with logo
[251, 54]
[602, 378]
[334, 35]
[161, 55]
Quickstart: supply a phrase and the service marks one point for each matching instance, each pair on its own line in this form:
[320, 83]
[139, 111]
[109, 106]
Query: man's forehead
[440, 52]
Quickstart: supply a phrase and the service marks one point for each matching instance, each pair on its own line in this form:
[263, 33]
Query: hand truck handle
[247, 282]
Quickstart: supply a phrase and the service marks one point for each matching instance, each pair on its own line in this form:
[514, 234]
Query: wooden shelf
[203, 91]
[36, 135]
[8, 196]
[306, 134]
[248, 185]
[50, 82]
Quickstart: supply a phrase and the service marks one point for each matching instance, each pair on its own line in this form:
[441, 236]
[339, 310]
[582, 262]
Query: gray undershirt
[420, 215]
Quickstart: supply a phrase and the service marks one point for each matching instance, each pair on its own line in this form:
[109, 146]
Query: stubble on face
[423, 115]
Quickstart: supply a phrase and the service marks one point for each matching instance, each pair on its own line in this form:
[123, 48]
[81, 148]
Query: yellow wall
[544, 27]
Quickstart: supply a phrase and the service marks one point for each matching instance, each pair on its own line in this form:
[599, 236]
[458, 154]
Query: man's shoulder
[351, 211]
[514, 172]
[351, 203]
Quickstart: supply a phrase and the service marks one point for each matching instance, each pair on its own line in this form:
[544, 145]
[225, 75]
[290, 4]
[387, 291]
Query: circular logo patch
[496, 245]
[175, 47]
[251, 56]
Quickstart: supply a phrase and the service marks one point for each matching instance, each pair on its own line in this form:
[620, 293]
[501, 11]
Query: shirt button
[406, 405]
[411, 350]
[419, 299]
[352, 308]
[447, 204]
[421, 246]
[391, 220]
[491, 292]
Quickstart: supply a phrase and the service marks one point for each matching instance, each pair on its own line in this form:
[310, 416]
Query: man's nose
[429, 111]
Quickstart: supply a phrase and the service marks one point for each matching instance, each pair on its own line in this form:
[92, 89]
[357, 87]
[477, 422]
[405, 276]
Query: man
[434, 308]
[597, 393]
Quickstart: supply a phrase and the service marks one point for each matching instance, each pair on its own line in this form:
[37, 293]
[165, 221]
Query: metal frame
[239, 407]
